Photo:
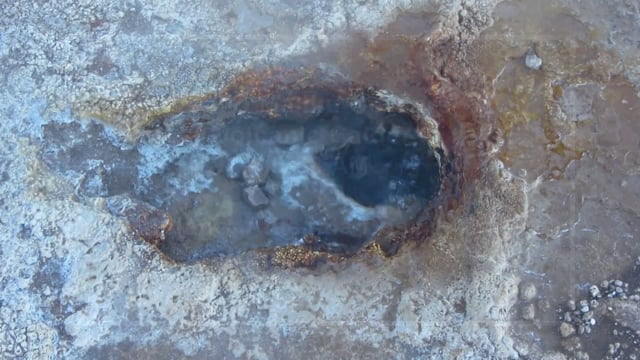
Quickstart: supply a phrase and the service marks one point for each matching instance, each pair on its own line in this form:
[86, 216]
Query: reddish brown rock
[148, 222]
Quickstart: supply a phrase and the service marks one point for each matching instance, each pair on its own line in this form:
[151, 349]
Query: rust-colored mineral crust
[146, 221]
[300, 256]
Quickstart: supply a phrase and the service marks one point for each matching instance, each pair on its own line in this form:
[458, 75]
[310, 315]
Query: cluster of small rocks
[579, 319]
[614, 306]
[250, 168]
[617, 351]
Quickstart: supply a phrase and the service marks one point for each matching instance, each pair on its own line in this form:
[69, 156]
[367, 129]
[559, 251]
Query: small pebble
[594, 291]
[618, 283]
[533, 61]
[584, 309]
[592, 321]
[567, 317]
[587, 316]
[594, 303]
[567, 329]
[619, 290]
[604, 284]
[571, 305]
[527, 291]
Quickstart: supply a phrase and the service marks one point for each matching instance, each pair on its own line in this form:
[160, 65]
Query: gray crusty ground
[76, 284]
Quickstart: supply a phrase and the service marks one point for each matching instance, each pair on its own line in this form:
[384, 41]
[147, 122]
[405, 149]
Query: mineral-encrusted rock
[533, 61]
[255, 196]
[527, 291]
[255, 172]
[237, 164]
[148, 222]
[567, 330]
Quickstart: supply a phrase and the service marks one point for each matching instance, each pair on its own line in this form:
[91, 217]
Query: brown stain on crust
[147, 222]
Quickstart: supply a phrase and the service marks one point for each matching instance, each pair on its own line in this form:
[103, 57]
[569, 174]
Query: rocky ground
[533, 254]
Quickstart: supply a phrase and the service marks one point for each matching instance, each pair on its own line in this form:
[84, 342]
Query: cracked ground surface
[550, 206]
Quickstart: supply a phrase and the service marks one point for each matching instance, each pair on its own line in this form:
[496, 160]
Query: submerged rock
[255, 196]
[148, 222]
[256, 172]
